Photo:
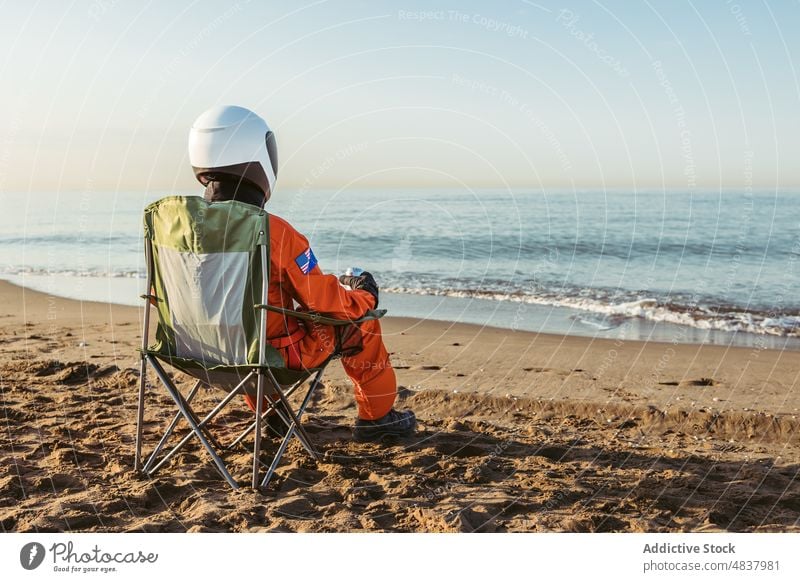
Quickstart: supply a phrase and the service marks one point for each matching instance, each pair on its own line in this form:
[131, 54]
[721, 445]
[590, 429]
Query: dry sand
[518, 432]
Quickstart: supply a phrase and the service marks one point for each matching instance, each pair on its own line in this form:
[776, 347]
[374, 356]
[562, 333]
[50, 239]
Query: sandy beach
[518, 432]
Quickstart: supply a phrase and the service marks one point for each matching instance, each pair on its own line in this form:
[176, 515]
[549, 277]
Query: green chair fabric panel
[190, 223]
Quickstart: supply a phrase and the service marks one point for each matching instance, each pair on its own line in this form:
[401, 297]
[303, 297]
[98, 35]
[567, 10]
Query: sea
[716, 267]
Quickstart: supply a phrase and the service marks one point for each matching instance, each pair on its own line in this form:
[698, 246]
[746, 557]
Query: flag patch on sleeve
[306, 261]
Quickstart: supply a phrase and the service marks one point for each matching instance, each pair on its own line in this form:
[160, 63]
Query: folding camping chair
[207, 267]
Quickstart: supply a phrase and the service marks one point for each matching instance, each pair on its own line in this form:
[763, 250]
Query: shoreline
[518, 431]
[481, 312]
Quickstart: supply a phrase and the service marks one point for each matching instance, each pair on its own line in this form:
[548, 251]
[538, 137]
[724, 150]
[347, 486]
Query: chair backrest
[207, 275]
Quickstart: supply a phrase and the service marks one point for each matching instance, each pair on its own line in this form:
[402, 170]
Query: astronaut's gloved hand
[365, 281]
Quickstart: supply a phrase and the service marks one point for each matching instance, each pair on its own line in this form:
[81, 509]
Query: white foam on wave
[587, 301]
[645, 308]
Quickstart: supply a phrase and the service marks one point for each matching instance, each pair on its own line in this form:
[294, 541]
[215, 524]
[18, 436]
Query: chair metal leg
[293, 426]
[280, 405]
[148, 253]
[257, 428]
[277, 458]
[302, 409]
[264, 414]
[286, 418]
[137, 461]
[181, 403]
[203, 426]
[288, 409]
[152, 458]
[210, 416]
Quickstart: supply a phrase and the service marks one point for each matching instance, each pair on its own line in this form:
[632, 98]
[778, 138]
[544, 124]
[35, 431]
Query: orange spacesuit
[295, 276]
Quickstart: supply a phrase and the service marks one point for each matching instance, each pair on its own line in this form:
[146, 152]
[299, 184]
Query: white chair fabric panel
[206, 296]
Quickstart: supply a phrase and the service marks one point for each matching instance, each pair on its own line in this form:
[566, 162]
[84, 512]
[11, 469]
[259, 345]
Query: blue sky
[100, 94]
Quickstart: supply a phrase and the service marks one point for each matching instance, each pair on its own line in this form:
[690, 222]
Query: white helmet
[234, 141]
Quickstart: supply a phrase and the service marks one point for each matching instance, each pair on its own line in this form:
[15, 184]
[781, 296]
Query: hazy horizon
[519, 190]
[100, 94]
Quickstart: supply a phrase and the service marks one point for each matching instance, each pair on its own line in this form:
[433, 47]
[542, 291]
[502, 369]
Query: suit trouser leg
[372, 374]
[370, 370]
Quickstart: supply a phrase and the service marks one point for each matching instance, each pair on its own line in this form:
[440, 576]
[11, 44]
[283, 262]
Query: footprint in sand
[462, 451]
[690, 383]
[557, 372]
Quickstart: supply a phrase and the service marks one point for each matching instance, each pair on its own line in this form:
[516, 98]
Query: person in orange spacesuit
[234, 155]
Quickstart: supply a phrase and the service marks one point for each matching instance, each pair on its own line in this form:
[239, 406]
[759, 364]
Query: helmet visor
[272, 152]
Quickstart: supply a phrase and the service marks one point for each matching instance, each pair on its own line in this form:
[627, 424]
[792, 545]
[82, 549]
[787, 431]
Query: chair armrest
[323, 319]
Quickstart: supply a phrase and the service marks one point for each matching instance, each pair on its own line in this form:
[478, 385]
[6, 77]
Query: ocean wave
[723, 318]
[599, 308]
[79, 239]
[95, 273]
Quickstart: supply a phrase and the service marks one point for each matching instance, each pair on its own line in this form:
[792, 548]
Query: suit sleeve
[317, 291]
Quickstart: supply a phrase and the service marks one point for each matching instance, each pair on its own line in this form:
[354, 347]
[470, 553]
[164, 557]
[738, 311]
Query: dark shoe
[394, 424]
[276, 428]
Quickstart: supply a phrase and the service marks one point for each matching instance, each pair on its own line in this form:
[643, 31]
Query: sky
[100, 94]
